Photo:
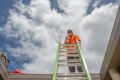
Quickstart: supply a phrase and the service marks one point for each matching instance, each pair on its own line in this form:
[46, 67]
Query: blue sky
[5, 42]
[102, 2]
[5, 6]
[4, 13]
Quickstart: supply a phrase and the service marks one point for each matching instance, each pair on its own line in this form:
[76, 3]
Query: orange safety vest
[73, 40]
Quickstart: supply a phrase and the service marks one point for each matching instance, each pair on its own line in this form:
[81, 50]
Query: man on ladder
[72, 39]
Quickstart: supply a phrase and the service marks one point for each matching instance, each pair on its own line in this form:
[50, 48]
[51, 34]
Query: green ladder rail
[56, 62]
[83, 62]
[83, 75]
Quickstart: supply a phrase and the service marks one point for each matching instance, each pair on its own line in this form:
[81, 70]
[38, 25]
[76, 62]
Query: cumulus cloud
[95, 30]
[37, 29]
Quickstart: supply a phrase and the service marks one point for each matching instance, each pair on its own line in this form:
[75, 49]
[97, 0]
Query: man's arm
[66, 40]
[78, 39]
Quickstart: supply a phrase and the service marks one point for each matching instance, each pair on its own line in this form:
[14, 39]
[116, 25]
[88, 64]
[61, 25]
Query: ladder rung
[69, 60]
[69, 51]
[62, 55]
[75, 55]
[70, 55]
[64, 48]
[69, 64]
[67, 45]
[71, 74]
[71, 78]
[74, 61]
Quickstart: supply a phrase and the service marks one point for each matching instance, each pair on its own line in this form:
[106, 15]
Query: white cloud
[38, 33]
[95, 30]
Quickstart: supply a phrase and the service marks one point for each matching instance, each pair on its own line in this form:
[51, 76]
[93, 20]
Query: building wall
[30, 77]
[112, 57]
[41, 77]
[3, 67]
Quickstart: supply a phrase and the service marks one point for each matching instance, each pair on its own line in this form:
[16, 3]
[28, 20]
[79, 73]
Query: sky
[30, 30]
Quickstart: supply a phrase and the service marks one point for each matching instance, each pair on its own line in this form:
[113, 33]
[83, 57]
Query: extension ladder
[63, 52]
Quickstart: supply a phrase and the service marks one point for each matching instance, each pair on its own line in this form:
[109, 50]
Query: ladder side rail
[83, 61]
[56, 62]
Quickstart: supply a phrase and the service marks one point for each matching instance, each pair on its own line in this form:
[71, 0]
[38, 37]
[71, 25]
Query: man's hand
[79, 42]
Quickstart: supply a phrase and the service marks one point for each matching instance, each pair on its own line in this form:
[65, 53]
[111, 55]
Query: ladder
[70, 52]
